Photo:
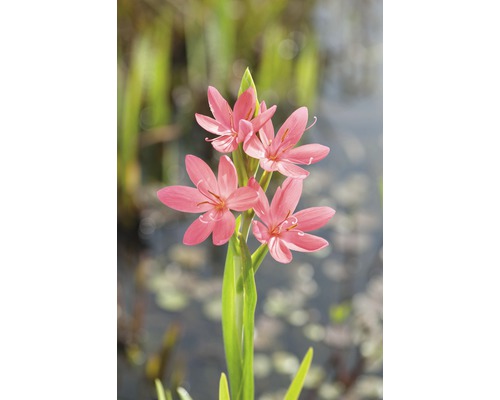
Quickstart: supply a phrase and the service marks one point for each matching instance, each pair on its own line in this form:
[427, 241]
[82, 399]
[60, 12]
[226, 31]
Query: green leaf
[246, 82]
[258, 256]
[223, 388]
[231, 313]
[249, 303]
[183, 394]
[159, 390]
[295, 388]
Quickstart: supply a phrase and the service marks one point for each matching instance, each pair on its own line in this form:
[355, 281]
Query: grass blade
[297, 383]
[159, 390]
[183, 394]
[223, 388]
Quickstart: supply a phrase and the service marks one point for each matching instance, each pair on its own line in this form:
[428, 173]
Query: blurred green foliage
[170, 51]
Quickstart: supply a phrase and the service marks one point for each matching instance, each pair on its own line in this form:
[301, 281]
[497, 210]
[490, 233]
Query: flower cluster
[250, 133]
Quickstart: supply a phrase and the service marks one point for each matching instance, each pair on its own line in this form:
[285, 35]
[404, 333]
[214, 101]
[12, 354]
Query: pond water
[330, 300]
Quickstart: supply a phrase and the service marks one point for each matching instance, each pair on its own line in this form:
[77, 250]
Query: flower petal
[227, 177]
[266, 133]
[198, 170]
[268, 165]
[245, 129]
[197, 232]
[242, 199]
[211, 125]
[279, 251]
[300, 241]
[261, 207]
[183, 198]
[307, 154]
[213, 215]
[260, 231]
[244, 108]
[286, 199]
[225, 144]
[292, 130]
[260, 120]
[253, 147]
[223, 229]
[219, 106]
[291, 170]
[313, 218]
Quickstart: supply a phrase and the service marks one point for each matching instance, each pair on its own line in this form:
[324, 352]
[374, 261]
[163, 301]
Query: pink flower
[278, 154]
[230, 126]
[283, 230]
[213, 197]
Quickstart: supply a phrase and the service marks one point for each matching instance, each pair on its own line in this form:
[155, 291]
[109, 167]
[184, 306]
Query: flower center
[216, 201]
[287, 224]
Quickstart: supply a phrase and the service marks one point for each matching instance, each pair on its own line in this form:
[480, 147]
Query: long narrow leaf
[295, 388]
[159, 390]
[231, 320]
[223, 388]
[183, 394]
[249, 303]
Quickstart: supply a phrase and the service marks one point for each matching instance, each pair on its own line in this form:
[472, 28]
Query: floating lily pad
[262, 365]
[189, 257]
[330, 391]
[213, 309]
[315, 332]
[298, 317]
[314, 377]
[172, 300]
[285, 363]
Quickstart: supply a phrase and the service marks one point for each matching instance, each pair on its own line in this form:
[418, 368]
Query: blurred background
[324, 54]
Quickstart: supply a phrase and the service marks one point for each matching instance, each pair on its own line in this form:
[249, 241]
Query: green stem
[257, 258]
[240, 165]
[265, 179]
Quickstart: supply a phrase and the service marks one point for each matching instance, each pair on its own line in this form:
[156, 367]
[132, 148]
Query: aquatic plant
[246, 133]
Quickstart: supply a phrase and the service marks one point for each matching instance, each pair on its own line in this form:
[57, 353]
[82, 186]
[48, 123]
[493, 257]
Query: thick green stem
[265, 179]
[240, 165]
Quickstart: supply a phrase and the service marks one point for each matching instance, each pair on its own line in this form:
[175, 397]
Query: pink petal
[313, 218]
[261, 207]
[300, 241]
[199, 171]
[245, 129]
[253, 147]
[223, 229]
[183, 198]
[225, 144]
[286, 199]
[267, 132]
[244, 108]
[197, 232]
[213, 215]
[268, 164]
[219, 106]
[279, 251]
[292, 130]
[242, 199]
[228, 179]
[307, 154]
[260, 231]
[212, 125]
[291, 170]
[260, 120]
